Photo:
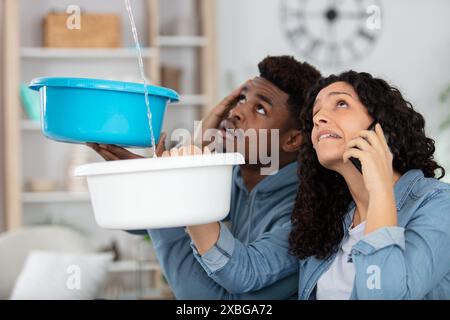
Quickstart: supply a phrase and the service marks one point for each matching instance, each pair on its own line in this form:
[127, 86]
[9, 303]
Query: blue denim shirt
[250, 259]
[409, 261]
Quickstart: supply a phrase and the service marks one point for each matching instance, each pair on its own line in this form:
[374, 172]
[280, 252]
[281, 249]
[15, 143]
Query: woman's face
[338, 117]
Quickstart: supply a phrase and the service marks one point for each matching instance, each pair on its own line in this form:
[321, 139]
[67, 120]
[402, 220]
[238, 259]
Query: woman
[384, 232]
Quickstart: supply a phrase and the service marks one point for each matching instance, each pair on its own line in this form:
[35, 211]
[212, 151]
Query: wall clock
[331, 32]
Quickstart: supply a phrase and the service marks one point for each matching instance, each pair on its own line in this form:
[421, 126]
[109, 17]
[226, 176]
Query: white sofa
[16, 245]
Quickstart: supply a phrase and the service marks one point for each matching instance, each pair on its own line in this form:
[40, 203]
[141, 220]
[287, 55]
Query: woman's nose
[320, 119]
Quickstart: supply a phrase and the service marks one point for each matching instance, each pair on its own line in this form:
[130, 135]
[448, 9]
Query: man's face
[261, 105]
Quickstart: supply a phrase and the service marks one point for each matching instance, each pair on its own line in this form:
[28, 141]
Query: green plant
[444, 98]
[147, 238]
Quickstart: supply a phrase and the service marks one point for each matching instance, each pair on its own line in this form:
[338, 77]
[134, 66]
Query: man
[247, 256]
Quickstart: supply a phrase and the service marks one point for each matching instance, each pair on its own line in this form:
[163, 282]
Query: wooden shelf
[31, 58]
[87, 53]
[147, 294]
[30, 125]
[55, 197]
[193, 99]
[133, 265]
[181, 41]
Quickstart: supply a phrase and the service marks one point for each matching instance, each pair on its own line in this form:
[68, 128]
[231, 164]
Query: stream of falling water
[141, 69]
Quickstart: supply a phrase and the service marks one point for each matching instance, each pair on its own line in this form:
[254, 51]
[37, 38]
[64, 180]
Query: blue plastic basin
[79, 110]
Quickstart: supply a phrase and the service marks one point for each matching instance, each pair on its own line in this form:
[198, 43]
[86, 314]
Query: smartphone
[355, 161]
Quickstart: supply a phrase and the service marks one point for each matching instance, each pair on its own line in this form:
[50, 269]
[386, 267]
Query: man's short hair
[291, 76]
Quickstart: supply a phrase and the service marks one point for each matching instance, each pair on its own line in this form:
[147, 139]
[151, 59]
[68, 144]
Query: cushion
[48, 275]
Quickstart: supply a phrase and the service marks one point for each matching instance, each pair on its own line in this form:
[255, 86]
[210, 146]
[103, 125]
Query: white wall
[412, 51]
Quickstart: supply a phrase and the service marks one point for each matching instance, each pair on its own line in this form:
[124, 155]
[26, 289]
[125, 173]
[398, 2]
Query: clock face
[331, 32]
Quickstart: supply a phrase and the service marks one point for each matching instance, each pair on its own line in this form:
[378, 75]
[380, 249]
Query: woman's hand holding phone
[372, 150]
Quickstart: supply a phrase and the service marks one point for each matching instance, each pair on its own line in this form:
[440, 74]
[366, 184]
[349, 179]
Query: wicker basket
[171, 77]
[97, 31]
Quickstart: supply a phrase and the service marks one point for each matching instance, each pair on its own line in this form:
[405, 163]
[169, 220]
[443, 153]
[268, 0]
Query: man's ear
[292, 141]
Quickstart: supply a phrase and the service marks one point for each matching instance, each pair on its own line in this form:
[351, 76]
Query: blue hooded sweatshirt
[252, 249]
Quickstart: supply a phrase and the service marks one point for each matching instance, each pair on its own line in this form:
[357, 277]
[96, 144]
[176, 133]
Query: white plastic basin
[160, 192]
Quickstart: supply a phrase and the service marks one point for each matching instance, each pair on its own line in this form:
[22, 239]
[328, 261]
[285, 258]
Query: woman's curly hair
[323, 197]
